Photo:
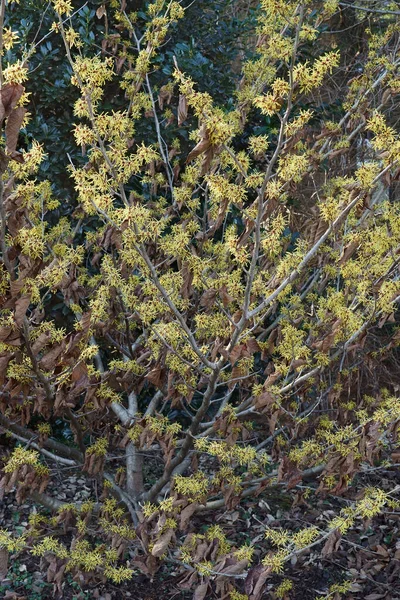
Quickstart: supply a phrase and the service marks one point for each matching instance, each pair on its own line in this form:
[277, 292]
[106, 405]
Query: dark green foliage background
[205, 43]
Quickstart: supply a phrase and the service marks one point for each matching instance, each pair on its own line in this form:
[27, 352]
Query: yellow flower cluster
[99, 448]
[12, 544]
[309, 78]
[366, 508]
[194, 488]
[15, 73]
[20, 457]
[283, 588]
[50, 544]
[10, 37]
[62, 7]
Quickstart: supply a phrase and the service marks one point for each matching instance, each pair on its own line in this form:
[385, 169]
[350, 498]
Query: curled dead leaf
[201, 591]
[182, 109]
[13, 126]
[164, 95]
[332, 543]
[255, 581]
[162, 543]
[208, 298]
[203, 145]
[186, 514]
[21, 306]
[10, 94]
[101, 11]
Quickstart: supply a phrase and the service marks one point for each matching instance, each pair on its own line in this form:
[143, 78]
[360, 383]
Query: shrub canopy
[207, 278]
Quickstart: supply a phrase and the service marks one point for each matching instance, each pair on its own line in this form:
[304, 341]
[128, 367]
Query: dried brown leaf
[21, 306]
[348, 252]
[182, 109]
[10, 95]
[187, 276]
[43, 339]
[16, 286]
[186, 513]
[265, 400]
[164, 95]
[255, 581]
[101, 11]
[382, 551]
[234, 569]
[203, 145]
[252, 346]
[85, 321]
[13, 126]
[201, 591]
[208, 298]
[162, 543]
[49, 360]
[156, 376]
[52, 569]
[225, 297]
[289, 472]
[332, 543]
[239, 351]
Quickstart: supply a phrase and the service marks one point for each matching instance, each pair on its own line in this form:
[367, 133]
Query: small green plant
[21, 581]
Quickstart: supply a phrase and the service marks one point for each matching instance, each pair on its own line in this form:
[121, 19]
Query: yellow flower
[15, 73]
[63, 7]
[73, 38]
[284, 587]
[268, 104]
[9, 38]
